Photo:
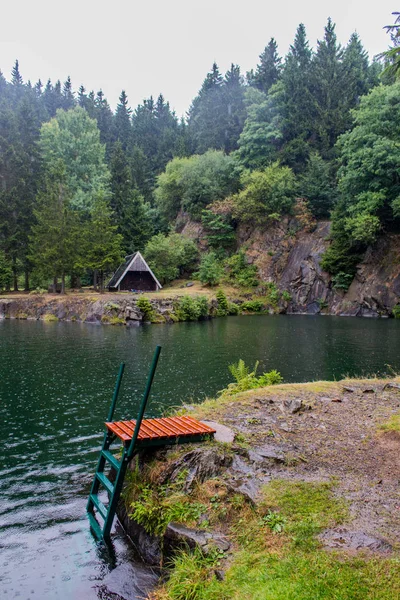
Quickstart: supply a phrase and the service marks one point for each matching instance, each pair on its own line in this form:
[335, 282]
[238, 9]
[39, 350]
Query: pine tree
[68, 95]
[299, 110]
[129, 212]
[329, 84]
[16, 77]
[269, 69]
[103, 245]
[123, 130]
[56, 236]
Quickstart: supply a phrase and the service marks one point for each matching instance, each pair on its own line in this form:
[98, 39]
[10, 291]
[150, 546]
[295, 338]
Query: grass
[284, 562]
[393, 424]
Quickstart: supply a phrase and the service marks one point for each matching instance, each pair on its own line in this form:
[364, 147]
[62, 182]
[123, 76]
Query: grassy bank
[324, 522]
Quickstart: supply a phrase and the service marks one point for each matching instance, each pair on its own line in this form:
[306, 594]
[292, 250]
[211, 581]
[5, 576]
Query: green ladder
[106, 458]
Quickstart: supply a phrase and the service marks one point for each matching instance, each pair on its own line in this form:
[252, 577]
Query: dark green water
[56, 381]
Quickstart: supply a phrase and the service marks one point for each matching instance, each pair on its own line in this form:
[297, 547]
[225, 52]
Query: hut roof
[133, 262]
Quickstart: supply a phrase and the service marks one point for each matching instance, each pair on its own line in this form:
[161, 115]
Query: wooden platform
[154, 432]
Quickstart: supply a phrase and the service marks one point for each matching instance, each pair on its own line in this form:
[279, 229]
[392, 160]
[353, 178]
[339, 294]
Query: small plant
[322, 304]
[49, 318]
[223, 305]
[145, 306]
[342, 281]
[210, 270]
[233, 308]
[240, 272]
[274, 521]
[396, 311]
[252, 306]
[38, 290]
[286, 296]
[247, 380]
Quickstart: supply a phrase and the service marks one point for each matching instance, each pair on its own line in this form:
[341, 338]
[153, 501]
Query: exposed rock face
[291, 257]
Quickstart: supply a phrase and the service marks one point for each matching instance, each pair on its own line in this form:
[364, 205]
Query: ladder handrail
[116, 392]
[144, 402]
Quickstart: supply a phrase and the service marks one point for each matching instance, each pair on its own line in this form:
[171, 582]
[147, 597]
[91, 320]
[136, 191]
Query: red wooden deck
[167, 428]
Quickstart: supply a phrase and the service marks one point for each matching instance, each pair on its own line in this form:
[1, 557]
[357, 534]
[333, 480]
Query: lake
[56, 382]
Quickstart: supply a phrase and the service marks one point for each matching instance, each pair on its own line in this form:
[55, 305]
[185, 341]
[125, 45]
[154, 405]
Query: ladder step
[99, 505]
[111, 459]
[95, 526]
[106, 482]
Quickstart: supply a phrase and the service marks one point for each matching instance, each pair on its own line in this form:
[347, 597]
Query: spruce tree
[269, 69]
[122, 122]
[329, 84]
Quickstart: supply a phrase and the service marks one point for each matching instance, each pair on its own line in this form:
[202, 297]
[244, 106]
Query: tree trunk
[26, 281]
[55, 281]
[101, 282]
[15, 276]
[95, 273]
[73, 281]
[63, 283]
[78, 282]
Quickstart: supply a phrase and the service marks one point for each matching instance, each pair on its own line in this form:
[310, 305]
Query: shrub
[145, 306]
[240, 272]
[210, 270]
[170, 256]
[233, 308]
[190, 184]
[223, 305]
[191, 309]
[286, 296]
[252, 306]
[396, 311]
[218, 229]
[266, 194]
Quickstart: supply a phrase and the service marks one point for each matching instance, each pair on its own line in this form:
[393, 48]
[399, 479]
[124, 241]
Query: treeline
[80, 185]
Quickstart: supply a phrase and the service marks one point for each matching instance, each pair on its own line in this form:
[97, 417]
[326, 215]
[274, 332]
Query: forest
[315, 133]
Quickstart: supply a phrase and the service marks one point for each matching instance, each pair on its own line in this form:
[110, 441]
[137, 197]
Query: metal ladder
[106, 458]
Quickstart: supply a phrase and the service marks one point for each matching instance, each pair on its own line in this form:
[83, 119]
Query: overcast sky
[167, 45]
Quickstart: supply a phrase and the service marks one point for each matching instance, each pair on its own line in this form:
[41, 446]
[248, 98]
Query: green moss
[49, 318]
[108, 320]
[21, 315]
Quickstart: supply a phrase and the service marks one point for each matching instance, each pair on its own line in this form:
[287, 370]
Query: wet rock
[268, 454]
[354, 540]
[292, 405]
[348, 389]
[178, 535]
[130, 581]
[200, 464]
[223, 433]
[391, 386]
[285, 427]
[369, 390]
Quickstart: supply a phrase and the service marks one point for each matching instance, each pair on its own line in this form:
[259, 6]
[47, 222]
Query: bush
[218, 229]
[233, 309]
[145, 306]
[240, 272]
[210, 270]
[170, 256]
[252, 306]
[396, 311]
[190, 184]
[191, 309]
[266, 194]
[223, 305]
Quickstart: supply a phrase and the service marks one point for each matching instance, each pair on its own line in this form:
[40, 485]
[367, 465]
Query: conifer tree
[129, 212]
[16, 77]
[268, 70]
[68, 95]
[103, 245]
[56, 237]
[123, 130]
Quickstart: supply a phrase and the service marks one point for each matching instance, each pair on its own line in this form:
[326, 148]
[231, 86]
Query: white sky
[167, 46]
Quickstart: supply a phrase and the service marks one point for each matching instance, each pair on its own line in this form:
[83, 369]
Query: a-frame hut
[134, 274]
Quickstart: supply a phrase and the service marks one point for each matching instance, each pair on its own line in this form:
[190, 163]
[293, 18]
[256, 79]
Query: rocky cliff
[288, 253]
